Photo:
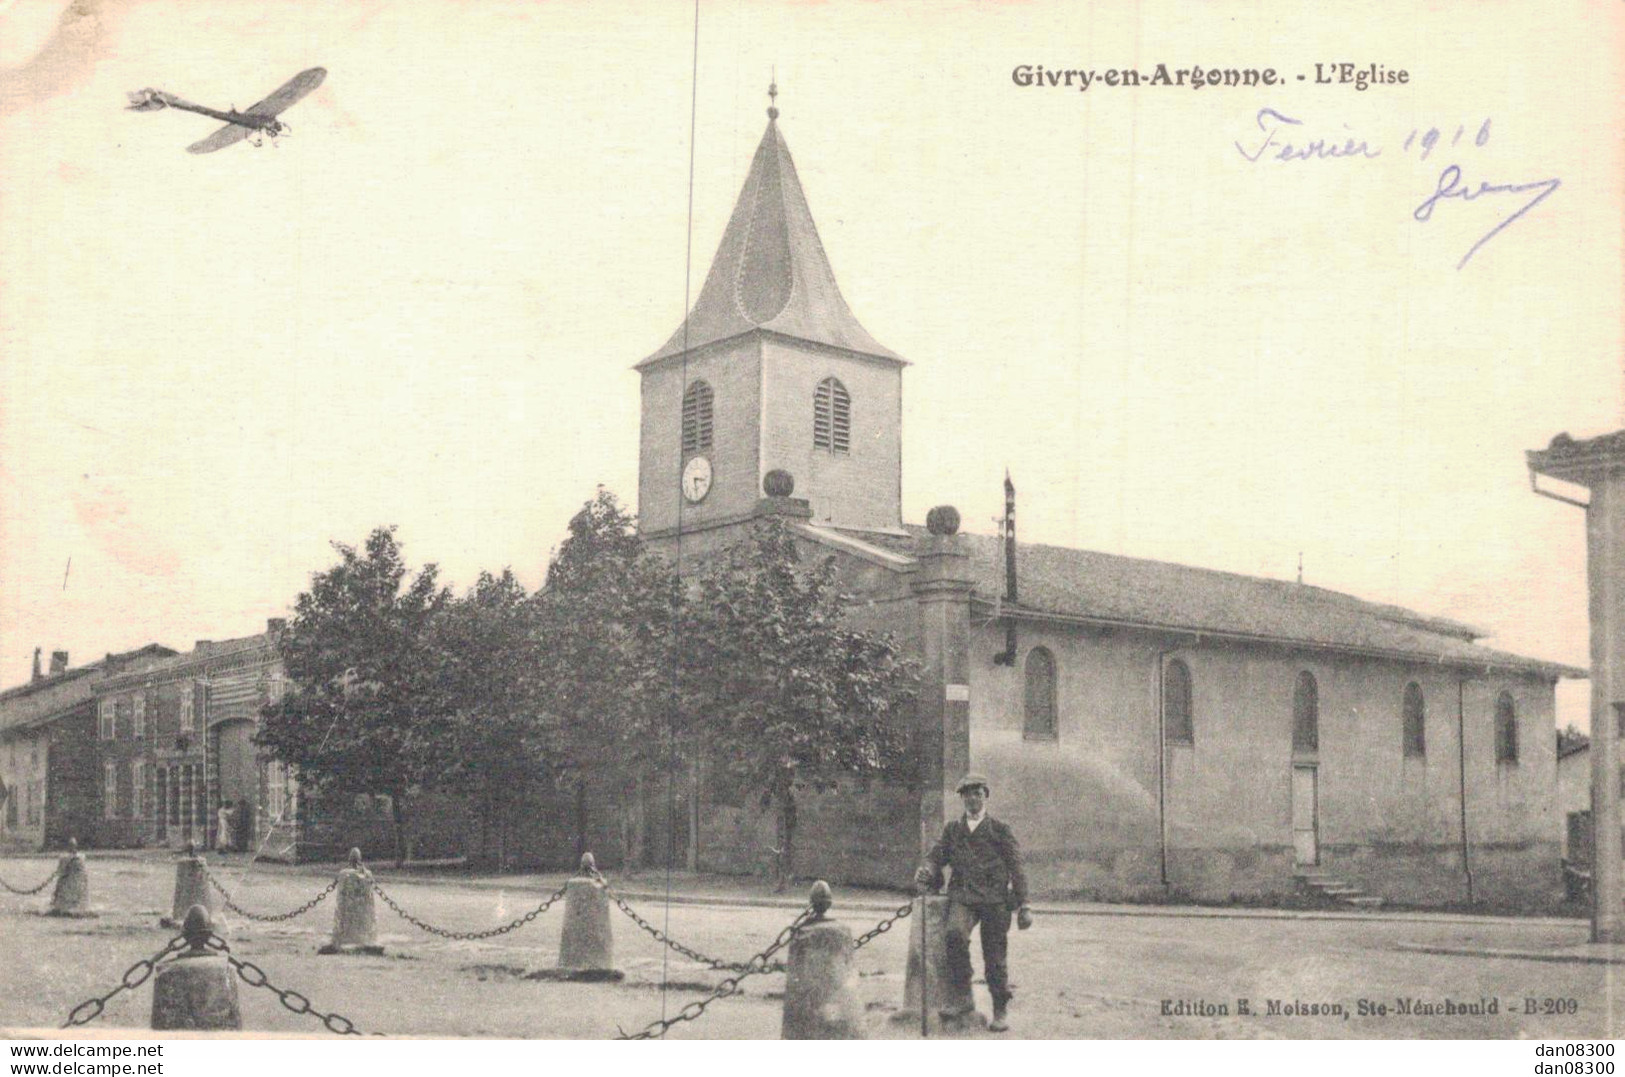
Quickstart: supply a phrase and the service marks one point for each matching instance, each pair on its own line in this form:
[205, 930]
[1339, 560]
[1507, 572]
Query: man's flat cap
[973, 779]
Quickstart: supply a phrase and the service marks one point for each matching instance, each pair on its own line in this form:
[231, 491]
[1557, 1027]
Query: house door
[238, 782]
[1305, 817]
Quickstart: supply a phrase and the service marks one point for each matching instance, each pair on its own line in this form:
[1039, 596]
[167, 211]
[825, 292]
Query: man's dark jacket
[986, 864]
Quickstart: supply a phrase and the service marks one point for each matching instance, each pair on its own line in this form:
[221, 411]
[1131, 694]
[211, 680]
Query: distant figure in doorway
[222, 832]
[986, 886]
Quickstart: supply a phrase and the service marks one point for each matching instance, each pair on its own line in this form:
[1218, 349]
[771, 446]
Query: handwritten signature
[1451, 186]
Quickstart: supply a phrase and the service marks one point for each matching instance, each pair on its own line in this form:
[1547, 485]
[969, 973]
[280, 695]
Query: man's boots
[999, 1024]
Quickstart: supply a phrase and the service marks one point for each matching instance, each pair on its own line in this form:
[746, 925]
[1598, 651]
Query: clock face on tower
[696, 478]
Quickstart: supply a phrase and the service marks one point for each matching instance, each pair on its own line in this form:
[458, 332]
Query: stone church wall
[1085, 804]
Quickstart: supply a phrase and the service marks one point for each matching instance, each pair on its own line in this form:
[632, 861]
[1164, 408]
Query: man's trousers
[995, 925]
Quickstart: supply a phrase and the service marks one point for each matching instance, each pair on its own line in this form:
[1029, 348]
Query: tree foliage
[614, 673]
[786, 695]
[364, 685]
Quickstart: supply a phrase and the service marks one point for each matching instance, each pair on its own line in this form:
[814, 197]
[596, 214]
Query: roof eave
[1553, 670]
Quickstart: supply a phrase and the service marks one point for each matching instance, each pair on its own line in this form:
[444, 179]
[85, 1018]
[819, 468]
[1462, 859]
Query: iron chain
[245, 914]
[34, 890]
[469, 935]
[665, 940]
[292, 1001]
[760, 963]
[134, 976]
[881, 928]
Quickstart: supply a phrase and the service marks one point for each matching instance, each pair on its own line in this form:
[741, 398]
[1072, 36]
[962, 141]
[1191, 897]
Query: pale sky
[423, 307]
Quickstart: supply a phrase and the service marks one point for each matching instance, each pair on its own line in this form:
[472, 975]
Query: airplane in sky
[258, 121]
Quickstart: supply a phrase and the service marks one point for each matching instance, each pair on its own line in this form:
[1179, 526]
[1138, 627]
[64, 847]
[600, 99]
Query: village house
[173, 744]
[48, 791]
[1151, 730]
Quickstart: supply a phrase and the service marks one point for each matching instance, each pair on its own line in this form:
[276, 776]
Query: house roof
[202, 654]
[1057, 583]
[770, 271]
[37, 702]
[1579, 460]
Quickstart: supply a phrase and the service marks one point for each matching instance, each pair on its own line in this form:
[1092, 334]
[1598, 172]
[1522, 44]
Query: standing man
[987, 884]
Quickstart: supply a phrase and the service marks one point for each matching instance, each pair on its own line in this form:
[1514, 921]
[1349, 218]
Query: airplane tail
[148, 100]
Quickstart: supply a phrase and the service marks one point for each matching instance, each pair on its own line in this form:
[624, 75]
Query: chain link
[758, 964]
[881, 928]
[468, 935]
[34, 890]
[245, 914]
[292, 1001]
[666, 940]
[128, 982]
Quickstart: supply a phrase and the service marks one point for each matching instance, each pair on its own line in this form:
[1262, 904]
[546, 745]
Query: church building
[1152, 731]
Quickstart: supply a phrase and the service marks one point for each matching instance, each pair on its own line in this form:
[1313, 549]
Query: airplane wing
[229, 135]
[289, 92]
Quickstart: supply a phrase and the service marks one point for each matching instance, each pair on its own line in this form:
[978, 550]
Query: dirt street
[1084, 976]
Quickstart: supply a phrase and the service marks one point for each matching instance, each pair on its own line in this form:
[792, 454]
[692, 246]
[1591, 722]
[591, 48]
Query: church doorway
[1305, 817]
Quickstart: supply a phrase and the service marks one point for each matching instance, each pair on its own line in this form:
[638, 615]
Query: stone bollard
[198, 990]
[191, 888]
[930, 918]
[820, 990]
[72, 894]
[355, 922]
[587, 941]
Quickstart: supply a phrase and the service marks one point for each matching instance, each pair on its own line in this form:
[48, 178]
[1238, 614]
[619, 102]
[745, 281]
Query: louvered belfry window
[832, 417]
[697, 418]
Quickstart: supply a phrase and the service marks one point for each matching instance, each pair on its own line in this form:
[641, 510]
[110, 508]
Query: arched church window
[1177, 724]
[832, 417]
[1415, 720]
[697, 423]
[1306, 714]
[1040, 695]
[1506, 729]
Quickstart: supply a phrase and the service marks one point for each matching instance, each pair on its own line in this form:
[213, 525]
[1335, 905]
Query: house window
[1306, 714]
[276, 687]
[697, 418]
[138, 789]
[276, 790]
[1415, 720]
[1506, 729]
[109, 790]
[1177, 725]
[1040, 695]
[31, 809]
[139, 715]
[832, 417]
[188, 707]
[106, 719]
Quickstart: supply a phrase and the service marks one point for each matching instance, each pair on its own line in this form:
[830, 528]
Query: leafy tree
[603, 632]
[1571, 738]
[789, 697]
[493, 743]
[361, 714]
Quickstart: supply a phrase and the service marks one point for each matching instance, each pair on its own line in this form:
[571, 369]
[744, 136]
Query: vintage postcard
[1026, 521]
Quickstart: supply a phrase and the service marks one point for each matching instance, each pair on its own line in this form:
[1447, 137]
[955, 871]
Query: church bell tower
[770, 370]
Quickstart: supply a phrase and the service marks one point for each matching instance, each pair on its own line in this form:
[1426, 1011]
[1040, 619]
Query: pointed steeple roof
[770, 271]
